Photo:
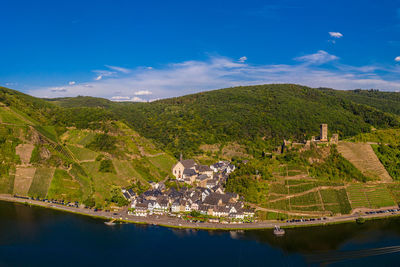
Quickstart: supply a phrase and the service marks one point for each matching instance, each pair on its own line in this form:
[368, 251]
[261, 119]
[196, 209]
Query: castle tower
[323, 137]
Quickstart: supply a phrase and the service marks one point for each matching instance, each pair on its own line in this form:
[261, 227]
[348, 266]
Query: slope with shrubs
[76, 154]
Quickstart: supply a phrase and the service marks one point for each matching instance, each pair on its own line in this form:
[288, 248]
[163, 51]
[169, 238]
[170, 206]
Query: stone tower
[323, 137]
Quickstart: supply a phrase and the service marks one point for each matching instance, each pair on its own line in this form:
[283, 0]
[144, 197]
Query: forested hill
[385, 101]
[258, 117]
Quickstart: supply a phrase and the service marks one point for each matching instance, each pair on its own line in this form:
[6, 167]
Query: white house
[230, 168]
[141, 210]
[176, 207]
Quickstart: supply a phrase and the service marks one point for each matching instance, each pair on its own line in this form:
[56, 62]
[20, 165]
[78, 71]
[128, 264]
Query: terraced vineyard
[379, 196]
[357, 196]
[364, 158]
[369, 196]
[41, 182]
[308, 196]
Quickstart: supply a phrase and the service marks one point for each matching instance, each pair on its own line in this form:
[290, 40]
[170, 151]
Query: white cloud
[193, 76]
[58, 89]
[336, 34]
[119, 69]
[71, 82]
[137, 99]
[397, 59]
[120, 98]
[127, 99]
[242, 59]
[103, 73]
[143, 92]
[320, 57]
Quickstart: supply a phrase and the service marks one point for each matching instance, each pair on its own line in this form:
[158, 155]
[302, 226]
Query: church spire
[181, 158]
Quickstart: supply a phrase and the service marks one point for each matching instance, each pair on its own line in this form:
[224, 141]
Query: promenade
[169, 221]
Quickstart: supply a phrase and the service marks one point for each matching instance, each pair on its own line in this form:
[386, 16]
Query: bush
[100, 157]
[89, 202]
[336, 167]
[35, 156]
[360, 220]
[118, 198]
[107, 166]
[103, 142]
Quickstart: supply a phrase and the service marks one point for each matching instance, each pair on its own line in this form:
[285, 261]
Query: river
[35, 236]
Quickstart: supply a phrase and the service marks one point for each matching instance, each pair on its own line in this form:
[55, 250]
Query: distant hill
[385, 101]
[257, 117]
[81, 101]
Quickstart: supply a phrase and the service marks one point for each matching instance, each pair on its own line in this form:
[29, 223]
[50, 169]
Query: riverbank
[174, 222]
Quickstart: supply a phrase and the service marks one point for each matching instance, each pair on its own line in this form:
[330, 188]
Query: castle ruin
[323, 137]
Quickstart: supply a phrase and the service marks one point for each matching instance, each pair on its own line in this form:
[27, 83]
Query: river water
[35, 236]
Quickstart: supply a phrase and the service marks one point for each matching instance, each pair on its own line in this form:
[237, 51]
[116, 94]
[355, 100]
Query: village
[203, 197]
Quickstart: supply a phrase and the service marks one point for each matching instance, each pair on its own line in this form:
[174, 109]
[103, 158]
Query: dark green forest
[258, 117]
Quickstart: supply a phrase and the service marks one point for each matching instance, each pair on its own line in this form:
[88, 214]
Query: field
[41, 182]
[163, 162]
[394, 190]
[362, 156]
[23, 180]
[82, 154]
[79, 137]
[65, 187]
[103, 182]
[369, 196]
[292, 195]
[357, 196]
[7, 116]
[336, 201]
[299, 188]
[379, 196]
[7, 183]
[277, 188]
[24, 151]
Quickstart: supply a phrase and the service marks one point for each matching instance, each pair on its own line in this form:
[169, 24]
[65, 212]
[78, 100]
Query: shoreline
[171, 222]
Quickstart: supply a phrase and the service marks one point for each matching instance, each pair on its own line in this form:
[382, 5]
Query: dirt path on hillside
[294, 213]
[315, 189]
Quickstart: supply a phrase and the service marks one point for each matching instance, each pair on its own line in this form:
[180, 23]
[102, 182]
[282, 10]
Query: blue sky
[144, 50]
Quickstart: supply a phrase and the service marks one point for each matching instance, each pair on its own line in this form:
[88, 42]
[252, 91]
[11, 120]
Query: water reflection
[34, 230]
[325, 238]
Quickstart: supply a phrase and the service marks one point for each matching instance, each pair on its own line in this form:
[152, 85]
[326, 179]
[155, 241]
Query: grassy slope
[24, 119]
[41, 182]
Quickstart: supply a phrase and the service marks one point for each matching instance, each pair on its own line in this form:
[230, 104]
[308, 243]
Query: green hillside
[71, 154]
[257, 117]
[83, 148]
